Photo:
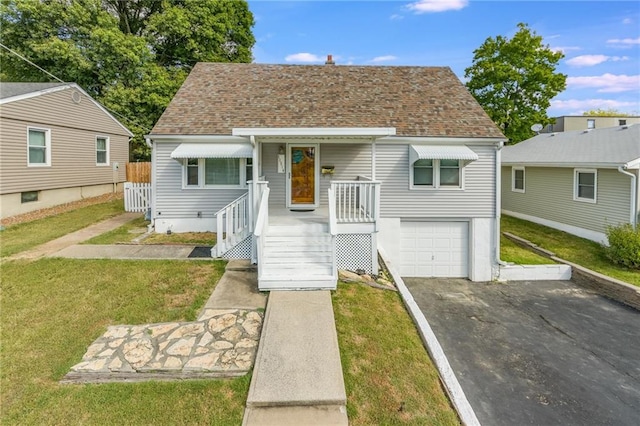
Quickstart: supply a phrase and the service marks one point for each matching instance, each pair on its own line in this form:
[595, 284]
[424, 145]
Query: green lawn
[23, 236]
[512, 252]
[122, 234]
[388, 374]
[566, 246]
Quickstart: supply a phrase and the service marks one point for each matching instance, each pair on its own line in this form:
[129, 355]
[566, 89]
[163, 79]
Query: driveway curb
[448, 377]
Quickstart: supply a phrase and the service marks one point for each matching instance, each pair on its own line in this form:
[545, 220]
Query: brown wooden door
[303, 174]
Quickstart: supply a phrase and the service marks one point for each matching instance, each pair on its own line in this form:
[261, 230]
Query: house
[57, 145]
[578, 181]
[567, 123]
[309, 169]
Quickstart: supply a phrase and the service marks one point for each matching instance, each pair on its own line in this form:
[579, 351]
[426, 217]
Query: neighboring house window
[39, 147]
[591, 123]
[622, 122]
[436, 174]
[217, 172]
[102, 150]
[585, 185]
[29, 196]
[517, 179]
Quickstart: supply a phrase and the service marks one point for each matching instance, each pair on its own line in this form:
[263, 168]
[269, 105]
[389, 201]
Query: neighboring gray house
[578, 182]
[307, 169]
[57, 145]
[567, 123]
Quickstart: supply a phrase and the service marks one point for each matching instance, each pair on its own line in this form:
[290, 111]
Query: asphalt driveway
[537, 352]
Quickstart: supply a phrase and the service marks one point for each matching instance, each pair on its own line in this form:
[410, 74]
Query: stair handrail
[232, 224]
[262, 226]
[333, 222]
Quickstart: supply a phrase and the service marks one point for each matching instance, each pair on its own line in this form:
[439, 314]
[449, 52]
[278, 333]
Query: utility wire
[62, 81]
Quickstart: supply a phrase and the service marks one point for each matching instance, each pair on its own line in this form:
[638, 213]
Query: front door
[303, 171]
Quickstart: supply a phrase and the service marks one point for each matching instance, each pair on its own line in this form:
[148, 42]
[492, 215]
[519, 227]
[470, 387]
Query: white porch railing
[262, 226]
[137, 196]
[232, 224]
[356, 201]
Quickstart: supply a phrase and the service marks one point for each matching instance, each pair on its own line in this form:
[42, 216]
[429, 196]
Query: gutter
[633, 211]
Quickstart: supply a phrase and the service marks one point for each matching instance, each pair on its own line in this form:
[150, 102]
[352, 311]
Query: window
[249, 170]
[585, 185]
[436, 174]
[622, 122]
[591, 123]
[217, 172]
[29, 197]
[39, 147]
[102, 150]
[517, 179]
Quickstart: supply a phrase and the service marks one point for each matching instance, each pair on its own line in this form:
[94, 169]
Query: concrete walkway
[297, 378]
[76, 237]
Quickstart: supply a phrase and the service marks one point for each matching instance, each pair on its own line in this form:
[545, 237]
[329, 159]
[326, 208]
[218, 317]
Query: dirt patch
[62, 208]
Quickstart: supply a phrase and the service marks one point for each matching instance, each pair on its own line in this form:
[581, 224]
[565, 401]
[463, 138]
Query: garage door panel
[434, 249]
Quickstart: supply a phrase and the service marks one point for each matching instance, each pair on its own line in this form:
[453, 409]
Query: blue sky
[600, 39]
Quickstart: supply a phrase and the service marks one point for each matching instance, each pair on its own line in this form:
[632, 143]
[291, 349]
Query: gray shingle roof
[607, 147]
[8, 90]
[417, 101]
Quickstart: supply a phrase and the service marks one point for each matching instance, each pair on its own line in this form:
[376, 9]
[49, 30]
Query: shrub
[624, 245]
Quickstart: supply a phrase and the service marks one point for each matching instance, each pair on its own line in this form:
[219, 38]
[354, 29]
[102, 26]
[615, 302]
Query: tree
[514, 81]
[605, 113]
[131, 56]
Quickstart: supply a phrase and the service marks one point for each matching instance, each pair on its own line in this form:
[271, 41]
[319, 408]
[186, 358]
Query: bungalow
[577, 181]
[310, 169]
[57, 145]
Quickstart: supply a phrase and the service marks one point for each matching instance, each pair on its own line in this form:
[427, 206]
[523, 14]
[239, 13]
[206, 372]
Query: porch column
[373, 159]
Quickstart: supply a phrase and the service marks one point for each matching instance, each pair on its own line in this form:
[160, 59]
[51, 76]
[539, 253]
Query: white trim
[598, 237]
[633, 164]
[47, 146]
[313, 131]
[108, 149]
[514, 169]
[198, 138]
[576, 197]
[436, 178]
[439, 140]
[564, 165]
[316, 184]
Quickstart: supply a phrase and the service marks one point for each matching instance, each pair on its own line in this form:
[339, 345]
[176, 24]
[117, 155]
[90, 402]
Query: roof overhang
[212, 150]
[441, 152]
[574, 165]
[633, 164]
[315, 131]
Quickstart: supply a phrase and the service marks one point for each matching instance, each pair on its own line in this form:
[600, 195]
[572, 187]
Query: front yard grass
[389, 377]
[23, 236]
[53, 309]
[569, 247]
[124, 235]
[512, 252]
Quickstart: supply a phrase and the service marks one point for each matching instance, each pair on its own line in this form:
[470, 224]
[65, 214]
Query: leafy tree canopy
[131, 56]
[605, 113]
[514, 80]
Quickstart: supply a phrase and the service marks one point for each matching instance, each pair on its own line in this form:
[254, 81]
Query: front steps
[297, 257]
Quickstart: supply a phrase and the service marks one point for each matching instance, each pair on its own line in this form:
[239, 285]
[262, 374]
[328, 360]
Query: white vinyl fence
[137, 197]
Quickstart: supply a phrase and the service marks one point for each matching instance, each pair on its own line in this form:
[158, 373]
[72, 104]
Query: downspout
[152, 218]
[633, 213]
[498, 204]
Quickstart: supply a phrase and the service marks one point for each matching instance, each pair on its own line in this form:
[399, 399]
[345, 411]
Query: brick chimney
[329, 60]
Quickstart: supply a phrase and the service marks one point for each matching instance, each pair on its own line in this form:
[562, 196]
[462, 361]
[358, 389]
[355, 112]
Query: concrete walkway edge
[456, 394]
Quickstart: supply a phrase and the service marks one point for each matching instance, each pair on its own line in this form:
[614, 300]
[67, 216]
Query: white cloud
[434, 6]
[304, 57]
[578, 106]
[627, 21]
[591, 60]
[606, 83]
[624, 42]
[385, 58]
[396, 17]
[565, 49]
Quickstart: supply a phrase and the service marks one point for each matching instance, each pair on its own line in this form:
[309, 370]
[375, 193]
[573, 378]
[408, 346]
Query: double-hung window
[585, 185]
[38, 147]
[102, 150]
[216, 172]
[427, 173]
[517, 179]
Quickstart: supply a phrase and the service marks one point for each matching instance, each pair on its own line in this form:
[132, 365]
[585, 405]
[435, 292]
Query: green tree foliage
[514, 80]
[132, 55]
[605, 113]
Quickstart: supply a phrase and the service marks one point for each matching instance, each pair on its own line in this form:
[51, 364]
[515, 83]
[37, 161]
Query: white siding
[173, 202]
[477, 199]
[549, 195]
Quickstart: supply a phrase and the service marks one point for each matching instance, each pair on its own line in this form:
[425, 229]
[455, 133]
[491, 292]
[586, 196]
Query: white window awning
[212, 150]
[441, 152]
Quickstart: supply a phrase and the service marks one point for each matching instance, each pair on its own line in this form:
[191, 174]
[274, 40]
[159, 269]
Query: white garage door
[434, 249]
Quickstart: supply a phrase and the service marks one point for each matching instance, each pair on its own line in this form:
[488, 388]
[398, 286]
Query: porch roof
[212, 150]
[441, 152]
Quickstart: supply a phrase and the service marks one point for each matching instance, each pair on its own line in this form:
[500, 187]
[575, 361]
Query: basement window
[29, 196]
